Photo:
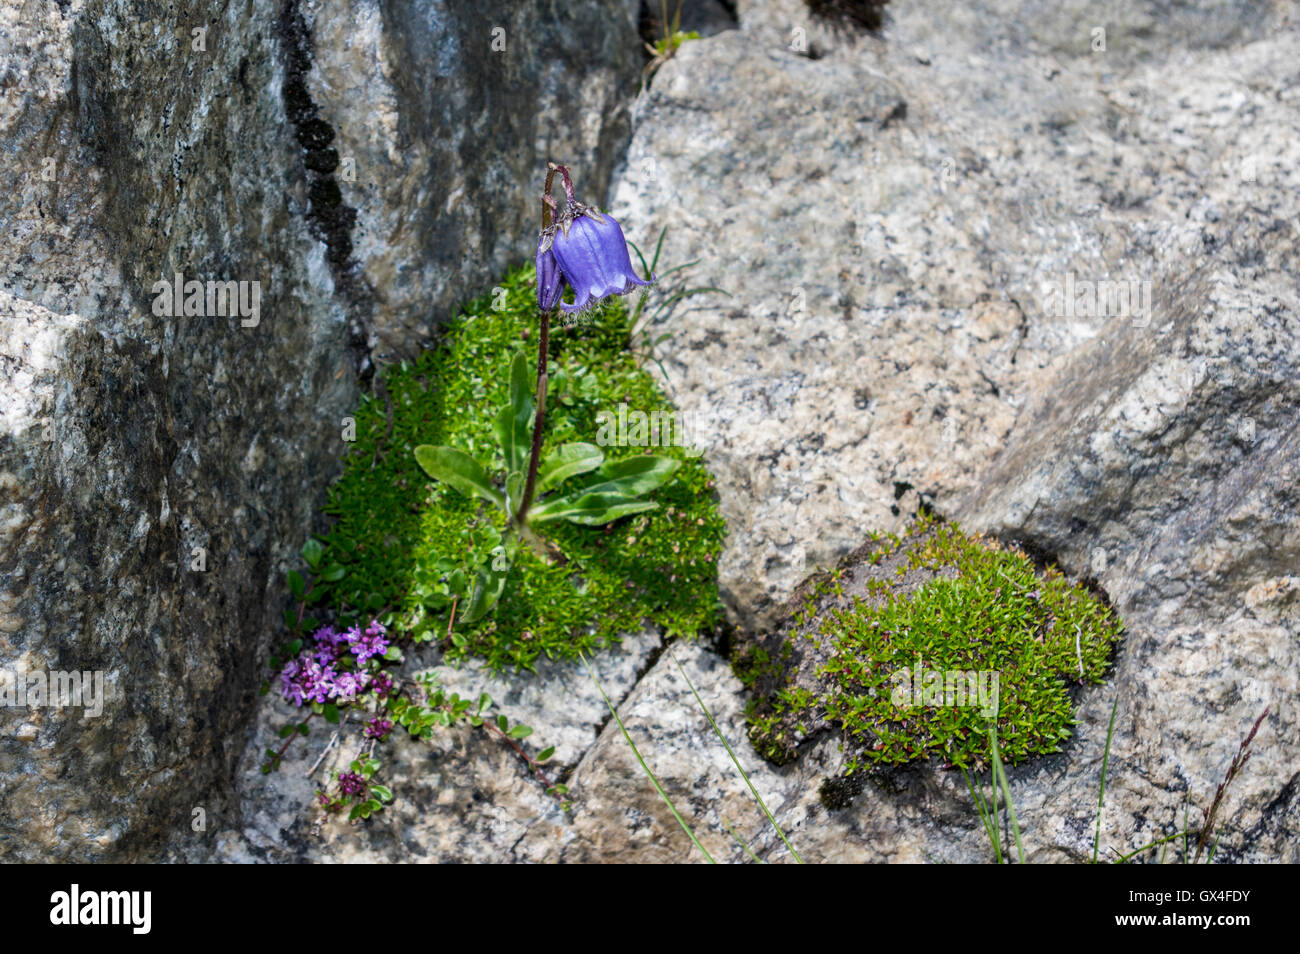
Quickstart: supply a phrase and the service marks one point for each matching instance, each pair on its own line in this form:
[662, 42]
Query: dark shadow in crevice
[329, 217]
[866, 15]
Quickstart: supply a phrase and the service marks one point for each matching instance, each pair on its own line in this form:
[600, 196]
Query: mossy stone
[933, 600]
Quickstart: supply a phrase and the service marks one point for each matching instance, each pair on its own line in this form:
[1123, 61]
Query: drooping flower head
[592, 255]
[584, 247]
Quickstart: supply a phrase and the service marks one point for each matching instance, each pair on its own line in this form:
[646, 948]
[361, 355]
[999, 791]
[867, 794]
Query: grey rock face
[158, 471]
[154, 467]
[444, 115]
[915, 230]
[886, 218]
[1130, 408]
[1165, 461]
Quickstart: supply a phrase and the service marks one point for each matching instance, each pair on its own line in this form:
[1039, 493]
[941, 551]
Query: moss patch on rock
[401, 544]
[897, 648]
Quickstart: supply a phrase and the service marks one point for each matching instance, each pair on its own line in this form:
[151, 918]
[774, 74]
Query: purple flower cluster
[317, 676]
[378, 728]
[381, 685]
[374, 642]
[350, 783]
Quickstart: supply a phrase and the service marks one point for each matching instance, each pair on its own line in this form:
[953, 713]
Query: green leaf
[514, 421]
[633, 476]
[457, 582]
[515, 437]
[488, 587]
[522, 386]
[297, 586]
[568, 460]
[545, 754]
[333, 573]
[645, 269]
[331, 713]
[459, 471]
[503, 723]
[520, 732]
[383, 791]
[514, 491]
[589, 509]
[659, 247]
[312, 551]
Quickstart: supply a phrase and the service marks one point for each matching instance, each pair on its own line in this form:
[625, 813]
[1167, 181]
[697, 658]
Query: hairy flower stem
[547, 202]
[543, 343]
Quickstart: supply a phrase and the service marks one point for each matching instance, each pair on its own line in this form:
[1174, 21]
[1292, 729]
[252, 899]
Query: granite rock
[155, 469]
[462, 795]
[1044, 288]
[160, 466]
[443, 116]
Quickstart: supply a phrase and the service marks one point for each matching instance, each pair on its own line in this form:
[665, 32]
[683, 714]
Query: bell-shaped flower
[550, 283]
[592, 254]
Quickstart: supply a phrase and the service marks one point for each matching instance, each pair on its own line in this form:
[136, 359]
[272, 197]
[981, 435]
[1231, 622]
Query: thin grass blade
[645, 768]
[735, 761]
[1105, 762]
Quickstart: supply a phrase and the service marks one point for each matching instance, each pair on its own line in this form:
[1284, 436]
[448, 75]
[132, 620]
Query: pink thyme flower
[382, 685]
[348, 685]
[374, 642]
[350, 783]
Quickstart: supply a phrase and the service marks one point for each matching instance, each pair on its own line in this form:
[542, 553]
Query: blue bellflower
[587, 249]
[592, 255]
[550, 283]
